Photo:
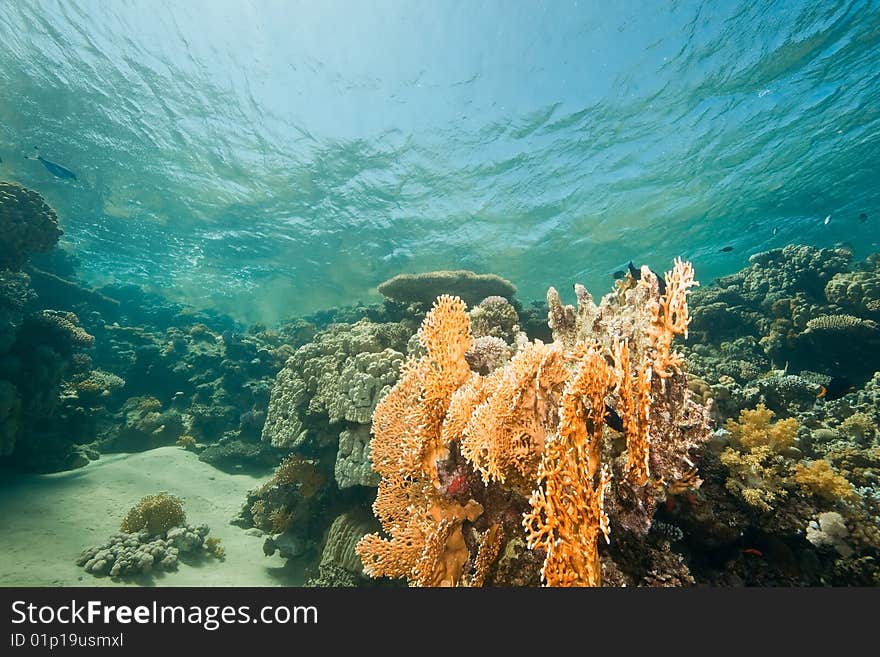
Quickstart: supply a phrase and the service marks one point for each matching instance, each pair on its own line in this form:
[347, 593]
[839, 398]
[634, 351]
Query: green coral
[155, 514]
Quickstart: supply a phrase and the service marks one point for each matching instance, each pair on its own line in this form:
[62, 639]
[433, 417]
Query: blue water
[271, 158]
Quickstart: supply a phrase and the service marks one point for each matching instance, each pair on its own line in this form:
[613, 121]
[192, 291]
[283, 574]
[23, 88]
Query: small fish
[52, 167]
[753, 551]
[827, 220]
[822, 392]
[618, 274]
[838, 387]
[862, 216]
[612, 419]
[637, 275]
[726, 249]
[775, 230]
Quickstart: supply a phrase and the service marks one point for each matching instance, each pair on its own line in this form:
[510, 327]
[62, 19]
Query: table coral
[467, 285]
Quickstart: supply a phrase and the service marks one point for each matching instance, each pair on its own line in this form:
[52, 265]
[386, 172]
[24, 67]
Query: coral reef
[538, 424]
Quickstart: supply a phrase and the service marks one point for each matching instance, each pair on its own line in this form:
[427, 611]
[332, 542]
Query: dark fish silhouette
[838, 387]
[726, 249]
[637, 275]
[862, 217]
[618, 274]
[612, 419]
[52, 167]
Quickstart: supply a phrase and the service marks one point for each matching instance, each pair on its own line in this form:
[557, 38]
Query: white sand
[47, 520]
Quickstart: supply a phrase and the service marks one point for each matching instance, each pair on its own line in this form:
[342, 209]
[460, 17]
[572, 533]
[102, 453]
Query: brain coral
[27, 223]
[467, 285]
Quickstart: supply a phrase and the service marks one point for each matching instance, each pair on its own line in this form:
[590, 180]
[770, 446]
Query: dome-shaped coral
[156, 514]
[27, 223]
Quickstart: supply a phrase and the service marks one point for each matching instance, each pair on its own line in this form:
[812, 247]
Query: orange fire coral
[505, 434]
[426, 544]
[453, 445]
[670, 317]
[567, 512]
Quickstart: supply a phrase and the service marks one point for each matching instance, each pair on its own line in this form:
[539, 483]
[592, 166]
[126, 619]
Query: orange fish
[753, 551]
[822, 391]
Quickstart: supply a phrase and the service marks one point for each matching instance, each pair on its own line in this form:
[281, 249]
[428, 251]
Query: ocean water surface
[269, 158]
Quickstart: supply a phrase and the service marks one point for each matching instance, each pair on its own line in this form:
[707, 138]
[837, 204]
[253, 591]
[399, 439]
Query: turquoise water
[270, 158]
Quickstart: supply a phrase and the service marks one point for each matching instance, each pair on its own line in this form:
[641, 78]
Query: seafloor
[261, 435]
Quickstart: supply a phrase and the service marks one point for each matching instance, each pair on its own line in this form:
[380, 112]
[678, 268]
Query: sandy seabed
[47, 520]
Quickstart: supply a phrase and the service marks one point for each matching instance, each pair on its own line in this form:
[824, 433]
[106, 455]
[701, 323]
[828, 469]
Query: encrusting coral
[540, 428]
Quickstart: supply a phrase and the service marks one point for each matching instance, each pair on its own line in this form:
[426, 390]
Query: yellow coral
[535, 425]
[754, 429]
[155, 513]
[214, 548]
[670, 317]
[281, 519]
[296, 470]
[186, 442]
[859, 427]
[820, 479]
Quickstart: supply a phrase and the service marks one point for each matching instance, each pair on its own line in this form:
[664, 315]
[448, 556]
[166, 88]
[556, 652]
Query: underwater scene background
[223, 360]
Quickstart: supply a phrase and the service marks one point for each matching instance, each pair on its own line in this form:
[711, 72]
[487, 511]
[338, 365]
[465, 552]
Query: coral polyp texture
[554, 448]
[27, 223]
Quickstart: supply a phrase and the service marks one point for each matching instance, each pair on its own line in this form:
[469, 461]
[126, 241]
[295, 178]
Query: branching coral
[426, 544]
[758, 469]
[155, 514]
[819, 478]
[567, 513]
[755, 429]
[505, 434]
